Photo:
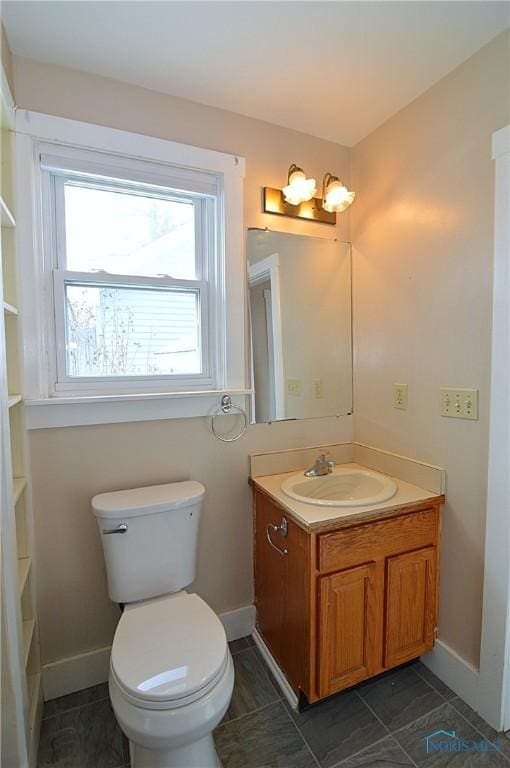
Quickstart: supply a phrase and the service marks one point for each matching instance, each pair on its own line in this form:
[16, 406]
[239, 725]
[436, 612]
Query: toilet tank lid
[147, 501]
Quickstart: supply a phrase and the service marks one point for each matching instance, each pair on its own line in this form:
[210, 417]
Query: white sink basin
[344, 487]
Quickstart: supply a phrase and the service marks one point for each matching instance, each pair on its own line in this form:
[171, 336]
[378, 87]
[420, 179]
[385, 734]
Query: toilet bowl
[171, 672]
[171, 681]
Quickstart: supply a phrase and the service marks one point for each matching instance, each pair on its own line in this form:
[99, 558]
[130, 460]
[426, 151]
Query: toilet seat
[168, 652]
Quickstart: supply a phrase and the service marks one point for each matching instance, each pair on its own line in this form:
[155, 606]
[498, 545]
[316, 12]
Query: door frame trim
[494, 677]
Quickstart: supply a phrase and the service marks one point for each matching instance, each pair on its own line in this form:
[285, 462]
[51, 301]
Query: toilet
[171, 671]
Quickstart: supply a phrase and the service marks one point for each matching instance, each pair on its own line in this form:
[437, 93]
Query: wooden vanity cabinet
[340, 605]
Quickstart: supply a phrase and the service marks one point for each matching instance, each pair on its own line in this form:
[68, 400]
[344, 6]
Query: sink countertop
[312, 517]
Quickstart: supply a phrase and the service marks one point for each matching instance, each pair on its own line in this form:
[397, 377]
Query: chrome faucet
[322, 466]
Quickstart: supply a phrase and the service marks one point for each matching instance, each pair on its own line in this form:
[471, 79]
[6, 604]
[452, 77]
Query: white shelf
[7, 219]
[10, 309]
[28, 636]
[24, 564]
[18, 486]
[23, 655]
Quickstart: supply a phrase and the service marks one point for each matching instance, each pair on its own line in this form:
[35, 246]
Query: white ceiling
[331, 69]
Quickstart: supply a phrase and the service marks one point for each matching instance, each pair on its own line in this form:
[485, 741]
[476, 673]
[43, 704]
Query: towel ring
[226, 408]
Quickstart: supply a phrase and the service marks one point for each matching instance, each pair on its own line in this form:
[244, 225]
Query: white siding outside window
[114, 331]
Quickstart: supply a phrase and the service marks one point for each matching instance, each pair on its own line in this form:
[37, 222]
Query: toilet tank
[149, 538]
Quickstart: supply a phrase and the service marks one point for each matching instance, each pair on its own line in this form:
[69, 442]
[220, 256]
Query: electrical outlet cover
[294, 387]
[318, 391]
[400, 396]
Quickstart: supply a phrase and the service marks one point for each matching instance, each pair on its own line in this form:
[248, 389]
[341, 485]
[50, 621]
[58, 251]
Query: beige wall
[269, 150]
[6, 58]
[71, 465]
[423, 229]
[422, 265]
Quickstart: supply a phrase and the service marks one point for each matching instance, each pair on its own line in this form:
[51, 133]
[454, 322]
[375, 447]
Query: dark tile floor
[383, 723]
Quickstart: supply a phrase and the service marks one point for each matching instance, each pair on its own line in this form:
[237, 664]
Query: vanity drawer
[371, 541]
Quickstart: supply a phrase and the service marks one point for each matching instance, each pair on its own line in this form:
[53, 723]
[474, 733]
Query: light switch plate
[400, 396]
[294, 387]
[459, 402]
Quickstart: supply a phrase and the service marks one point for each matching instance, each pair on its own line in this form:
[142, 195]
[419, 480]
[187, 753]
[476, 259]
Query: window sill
[50, 412]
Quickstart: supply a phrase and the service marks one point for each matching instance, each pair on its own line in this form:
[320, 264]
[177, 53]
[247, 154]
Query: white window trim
[33, 129]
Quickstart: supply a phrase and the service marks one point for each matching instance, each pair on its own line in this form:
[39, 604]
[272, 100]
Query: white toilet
[171, 672]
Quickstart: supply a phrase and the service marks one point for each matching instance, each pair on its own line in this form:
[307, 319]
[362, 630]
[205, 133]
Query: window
[132, 274]
[136, 276]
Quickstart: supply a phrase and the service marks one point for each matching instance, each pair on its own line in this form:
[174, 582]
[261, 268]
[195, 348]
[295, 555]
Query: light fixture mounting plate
[311, 210]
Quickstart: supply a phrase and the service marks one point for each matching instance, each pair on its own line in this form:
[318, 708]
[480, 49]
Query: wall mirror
[301, 329]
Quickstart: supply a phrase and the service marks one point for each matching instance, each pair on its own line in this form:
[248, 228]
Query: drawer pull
[283, 529]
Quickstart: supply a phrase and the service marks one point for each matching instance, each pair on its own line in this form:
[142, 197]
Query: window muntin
[134, 287]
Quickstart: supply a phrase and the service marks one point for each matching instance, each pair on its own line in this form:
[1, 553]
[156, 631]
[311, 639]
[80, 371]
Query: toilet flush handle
[122, 528]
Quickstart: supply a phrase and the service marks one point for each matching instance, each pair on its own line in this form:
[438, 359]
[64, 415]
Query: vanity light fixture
[299, 189]
[335, 195]
[297, 199]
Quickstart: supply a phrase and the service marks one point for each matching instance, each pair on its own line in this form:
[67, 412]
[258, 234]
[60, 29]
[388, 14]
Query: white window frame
[93, 172]
[130, 154]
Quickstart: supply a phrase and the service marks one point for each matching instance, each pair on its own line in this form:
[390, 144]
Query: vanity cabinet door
[347, 628]
[411, 603]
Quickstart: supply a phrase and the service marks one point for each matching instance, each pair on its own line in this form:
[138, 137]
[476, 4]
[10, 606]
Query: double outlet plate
[456, 402]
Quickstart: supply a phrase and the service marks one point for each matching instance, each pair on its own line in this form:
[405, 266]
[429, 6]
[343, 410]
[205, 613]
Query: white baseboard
[75, 672]
[86, 669]
[457, 673]
[238, 623]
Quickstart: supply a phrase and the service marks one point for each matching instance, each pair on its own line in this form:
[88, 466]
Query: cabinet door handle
[282, 528]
